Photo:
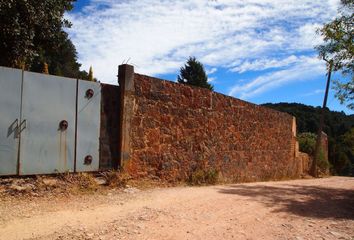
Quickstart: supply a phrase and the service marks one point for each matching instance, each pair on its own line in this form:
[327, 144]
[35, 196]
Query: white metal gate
[88, 126]
[10, 105]
[45, 146]
[48, 124]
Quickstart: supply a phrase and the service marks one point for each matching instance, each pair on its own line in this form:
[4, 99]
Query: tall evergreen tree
[90, 74]
[62, 60]
[193, 73]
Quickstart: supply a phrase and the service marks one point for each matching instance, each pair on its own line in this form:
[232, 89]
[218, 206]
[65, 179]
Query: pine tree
[193, 73]
[90, 75]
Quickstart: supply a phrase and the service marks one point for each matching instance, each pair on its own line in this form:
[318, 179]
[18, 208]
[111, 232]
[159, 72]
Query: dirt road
[299, 209]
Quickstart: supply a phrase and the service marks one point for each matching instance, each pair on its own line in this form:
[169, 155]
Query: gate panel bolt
[89, 93]
[88, 160]
[63, 125]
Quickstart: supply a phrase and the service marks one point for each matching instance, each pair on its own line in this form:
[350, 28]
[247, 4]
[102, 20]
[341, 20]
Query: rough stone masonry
[170, 130]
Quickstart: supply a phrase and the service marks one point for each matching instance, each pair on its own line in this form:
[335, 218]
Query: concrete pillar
[293, 127]
[324, 145]
[126, 84]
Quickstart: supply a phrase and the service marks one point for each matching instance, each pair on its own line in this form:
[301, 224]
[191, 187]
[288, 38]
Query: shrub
[322, 162]
[201, 177]
[307, 142]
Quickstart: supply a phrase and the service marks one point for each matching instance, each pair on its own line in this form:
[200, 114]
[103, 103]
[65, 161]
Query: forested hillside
[338, 126]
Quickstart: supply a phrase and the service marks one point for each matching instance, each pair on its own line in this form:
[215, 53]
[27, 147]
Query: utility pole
[313, 169]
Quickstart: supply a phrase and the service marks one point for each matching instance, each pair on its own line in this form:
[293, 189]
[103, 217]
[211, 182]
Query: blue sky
[259, 51]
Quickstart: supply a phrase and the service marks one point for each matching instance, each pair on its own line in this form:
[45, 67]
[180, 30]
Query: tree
[338, 47]
[345, 153]
[345, 92]
[32, 34]
[307, 142]
[26, 26]
[193, 73]
[62, 60]
[338, 126]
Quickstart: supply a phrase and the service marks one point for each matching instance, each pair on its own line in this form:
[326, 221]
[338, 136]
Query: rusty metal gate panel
[88, 126]
[48, 122]
[10, 105]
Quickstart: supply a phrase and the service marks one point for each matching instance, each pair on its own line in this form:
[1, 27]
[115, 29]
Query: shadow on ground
[306, 201]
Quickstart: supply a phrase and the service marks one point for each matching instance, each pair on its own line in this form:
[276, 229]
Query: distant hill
[307, 118]
[338, 127]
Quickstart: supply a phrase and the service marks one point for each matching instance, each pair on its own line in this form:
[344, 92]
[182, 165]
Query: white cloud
[211, 71]
[211, 79]
[306, 37]
[264, 63]
[306, 70]
[158, 36]
[314, 92]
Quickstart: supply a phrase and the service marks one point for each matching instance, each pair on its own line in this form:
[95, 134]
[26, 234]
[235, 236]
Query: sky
[257, 50]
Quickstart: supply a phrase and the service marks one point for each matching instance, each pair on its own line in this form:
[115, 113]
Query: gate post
[126, 84]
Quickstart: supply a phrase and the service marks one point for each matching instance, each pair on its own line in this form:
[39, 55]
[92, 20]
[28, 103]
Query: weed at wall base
[204, 177]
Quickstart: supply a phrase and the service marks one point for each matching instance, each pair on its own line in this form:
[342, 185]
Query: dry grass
[116, 178]
[80, 182]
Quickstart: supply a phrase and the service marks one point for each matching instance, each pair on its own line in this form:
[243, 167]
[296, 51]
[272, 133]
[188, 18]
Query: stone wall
[176, 130]
[305, 162]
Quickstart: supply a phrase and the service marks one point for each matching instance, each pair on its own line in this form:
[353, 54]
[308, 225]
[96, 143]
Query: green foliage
[348, 140]
[200, 177]
[339, 47]
[27, 24]
[307, 118]
[32, 34]
[343, 152]
[322, 162]
[62, 60]
[343, 164]
[337, 125]
[345, 92]
[307, 142]
[193, 73]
